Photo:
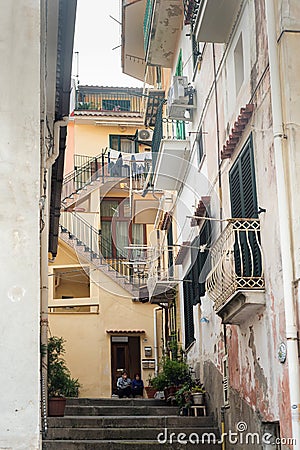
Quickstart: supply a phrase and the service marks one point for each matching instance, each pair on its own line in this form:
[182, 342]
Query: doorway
[125, 355]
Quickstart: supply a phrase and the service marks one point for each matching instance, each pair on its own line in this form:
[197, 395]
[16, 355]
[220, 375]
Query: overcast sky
[96, 34]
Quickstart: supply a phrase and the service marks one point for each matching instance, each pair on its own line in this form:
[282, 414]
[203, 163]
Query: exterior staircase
[121, 424]
[91, 248]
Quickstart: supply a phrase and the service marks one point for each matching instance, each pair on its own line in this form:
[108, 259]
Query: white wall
[19, 224]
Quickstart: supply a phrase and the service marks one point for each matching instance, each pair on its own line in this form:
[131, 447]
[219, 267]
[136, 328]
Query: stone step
[124, 433]
[129, 421]
[114, 401]
[78, 410]
[125, 445]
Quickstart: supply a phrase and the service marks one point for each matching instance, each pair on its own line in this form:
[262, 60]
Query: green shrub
[60, 381]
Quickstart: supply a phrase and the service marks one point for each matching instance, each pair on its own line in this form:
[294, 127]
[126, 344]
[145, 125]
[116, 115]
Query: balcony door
[117, 229]
[243, 196]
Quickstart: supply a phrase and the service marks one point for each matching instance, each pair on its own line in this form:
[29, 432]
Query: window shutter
[243, 185]
[188, 311]
[244, 205]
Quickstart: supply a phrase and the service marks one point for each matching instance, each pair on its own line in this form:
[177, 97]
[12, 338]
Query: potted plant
[173, 373]
[183, 399]
[60, 382]
[198, 394]
[150, 389]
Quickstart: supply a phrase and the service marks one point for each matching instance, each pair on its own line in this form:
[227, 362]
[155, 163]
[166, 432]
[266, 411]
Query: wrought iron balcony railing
[104, 100]
[191, 8]
[236, 261]
[104, 167]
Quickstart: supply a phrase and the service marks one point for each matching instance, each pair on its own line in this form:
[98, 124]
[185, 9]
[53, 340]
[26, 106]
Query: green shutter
[189, 330]
[242, 184]
[180, 125]
[244, 205]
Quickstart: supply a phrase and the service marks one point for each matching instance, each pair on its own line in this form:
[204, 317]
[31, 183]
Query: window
[199, 144]
[242, 184]
[117, 229]
[115, 105]
[189, 329]
[239, 64]
[194, 282]
[247, 254]
[180, 125]
[123, 143]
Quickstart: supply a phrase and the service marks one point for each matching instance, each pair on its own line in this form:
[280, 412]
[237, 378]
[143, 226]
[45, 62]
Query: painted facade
[234, 333]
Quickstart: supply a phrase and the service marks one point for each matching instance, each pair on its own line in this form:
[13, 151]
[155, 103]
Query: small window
[115, 105]
[200, 148]
[121, 143]
[239, 64]
[71, 282]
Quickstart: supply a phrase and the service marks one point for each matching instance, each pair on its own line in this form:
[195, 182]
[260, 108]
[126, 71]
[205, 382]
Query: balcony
[212, 19]
[162, 26]
[171, 152]
[236, 281]
[161, 283]
[116, 101]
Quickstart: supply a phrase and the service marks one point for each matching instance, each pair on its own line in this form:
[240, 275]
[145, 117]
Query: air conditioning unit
[145, 135]
[177, 92]
[180, 99]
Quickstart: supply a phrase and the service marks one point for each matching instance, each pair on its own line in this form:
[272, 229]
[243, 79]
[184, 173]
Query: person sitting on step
[124, 385]
[137, 385]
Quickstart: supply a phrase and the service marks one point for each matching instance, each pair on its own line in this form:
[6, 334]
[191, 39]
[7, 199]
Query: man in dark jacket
[124, 385]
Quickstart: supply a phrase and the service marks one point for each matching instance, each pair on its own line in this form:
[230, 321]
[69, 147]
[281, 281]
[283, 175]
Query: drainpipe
[47, 163]
[284, 225]
[155, 339]
[59, 123]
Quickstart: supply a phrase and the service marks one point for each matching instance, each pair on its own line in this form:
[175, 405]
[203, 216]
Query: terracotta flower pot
[56, 406]
[150, 391]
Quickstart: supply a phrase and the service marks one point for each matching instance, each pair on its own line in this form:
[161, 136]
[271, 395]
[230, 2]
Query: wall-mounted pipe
[155, 339]
[56, 138]
[286, 242]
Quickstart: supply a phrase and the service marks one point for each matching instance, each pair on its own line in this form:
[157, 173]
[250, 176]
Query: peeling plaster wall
[19, 221]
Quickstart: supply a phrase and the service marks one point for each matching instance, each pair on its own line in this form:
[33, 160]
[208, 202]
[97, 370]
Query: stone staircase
[121, 424]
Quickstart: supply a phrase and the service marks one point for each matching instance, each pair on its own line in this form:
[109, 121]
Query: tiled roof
[125, 331]
[107, 113]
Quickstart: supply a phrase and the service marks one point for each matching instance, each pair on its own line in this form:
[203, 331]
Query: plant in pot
[176, 373]
[198, 394]
[60, 382]
[150, 389]
[183, 398]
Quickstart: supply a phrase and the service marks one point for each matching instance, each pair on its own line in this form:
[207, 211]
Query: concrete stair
[88, 257]
[120, 424]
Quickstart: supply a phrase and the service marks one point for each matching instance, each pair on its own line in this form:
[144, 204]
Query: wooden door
[125, 355]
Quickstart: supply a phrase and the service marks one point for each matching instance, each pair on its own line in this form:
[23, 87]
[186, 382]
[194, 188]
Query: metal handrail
[104, 168]
[94, 243]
